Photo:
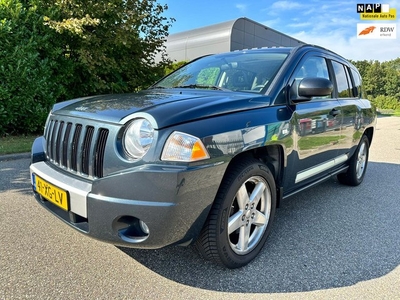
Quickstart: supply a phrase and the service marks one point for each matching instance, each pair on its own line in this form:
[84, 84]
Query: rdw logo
[381, 31]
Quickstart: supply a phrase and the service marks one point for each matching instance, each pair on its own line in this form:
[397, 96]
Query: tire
[357, 166]
[241, 216]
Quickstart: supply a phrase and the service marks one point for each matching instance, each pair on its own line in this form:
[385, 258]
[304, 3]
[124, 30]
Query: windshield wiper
[156, 87]
[200, 86]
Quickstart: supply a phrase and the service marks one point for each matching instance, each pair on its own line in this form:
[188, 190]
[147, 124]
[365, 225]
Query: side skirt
[341, 170]
[303, 175]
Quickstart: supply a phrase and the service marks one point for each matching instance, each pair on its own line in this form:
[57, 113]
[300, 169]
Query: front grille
[76, 147]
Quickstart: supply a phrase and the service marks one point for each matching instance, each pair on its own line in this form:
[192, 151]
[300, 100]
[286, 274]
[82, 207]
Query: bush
[386, 102]
[56, 50]
[26, 88]
[173, 66]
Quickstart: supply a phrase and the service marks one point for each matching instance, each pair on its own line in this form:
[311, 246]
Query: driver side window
[311, 67]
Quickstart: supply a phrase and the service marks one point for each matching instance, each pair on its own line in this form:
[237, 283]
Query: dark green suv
[206, 154]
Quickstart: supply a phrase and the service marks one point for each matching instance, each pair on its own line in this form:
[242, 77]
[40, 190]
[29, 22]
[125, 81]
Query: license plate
[50, 192]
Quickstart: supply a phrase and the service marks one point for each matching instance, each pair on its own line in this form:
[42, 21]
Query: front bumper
[173, 202]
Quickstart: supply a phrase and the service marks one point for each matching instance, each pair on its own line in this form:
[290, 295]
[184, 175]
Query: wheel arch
[369, 133]
[272, 156]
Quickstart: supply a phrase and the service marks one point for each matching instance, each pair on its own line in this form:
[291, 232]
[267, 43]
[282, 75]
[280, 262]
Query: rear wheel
[241, 217]
[357, 166]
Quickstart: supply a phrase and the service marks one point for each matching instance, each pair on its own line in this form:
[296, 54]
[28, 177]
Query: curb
[16, 156]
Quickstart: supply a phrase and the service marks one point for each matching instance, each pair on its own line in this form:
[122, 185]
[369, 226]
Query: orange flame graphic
[367, 30]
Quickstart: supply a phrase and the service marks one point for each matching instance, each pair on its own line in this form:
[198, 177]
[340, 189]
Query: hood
[168, 107]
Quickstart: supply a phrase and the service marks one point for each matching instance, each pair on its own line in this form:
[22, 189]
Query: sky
[331, 24]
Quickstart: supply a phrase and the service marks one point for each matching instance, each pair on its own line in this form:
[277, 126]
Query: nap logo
[376, 8]
[376, 12]
[379, 31]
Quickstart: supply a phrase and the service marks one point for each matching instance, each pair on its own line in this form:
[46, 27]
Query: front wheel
[240, 219]
[357, 166]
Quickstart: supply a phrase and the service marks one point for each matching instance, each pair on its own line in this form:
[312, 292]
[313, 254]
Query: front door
[317, 130]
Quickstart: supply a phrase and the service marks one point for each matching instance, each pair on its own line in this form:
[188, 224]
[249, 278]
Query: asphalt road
[330, 242]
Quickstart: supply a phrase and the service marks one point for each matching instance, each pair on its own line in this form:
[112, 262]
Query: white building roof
[238, 34]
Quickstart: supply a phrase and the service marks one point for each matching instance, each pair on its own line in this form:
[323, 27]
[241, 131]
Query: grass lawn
[389, 112]
[310, 142]
[16, 144]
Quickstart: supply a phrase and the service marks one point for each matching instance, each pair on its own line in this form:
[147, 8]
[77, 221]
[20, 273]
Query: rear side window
[357, 90]
[342, 80]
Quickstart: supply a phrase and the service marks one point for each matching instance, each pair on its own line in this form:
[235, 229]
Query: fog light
[144, 227]
[130, 229]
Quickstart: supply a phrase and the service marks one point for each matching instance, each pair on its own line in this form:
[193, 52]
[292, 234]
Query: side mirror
[312, 87]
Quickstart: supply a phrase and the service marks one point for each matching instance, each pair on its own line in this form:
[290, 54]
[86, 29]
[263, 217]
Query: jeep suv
[206, 154]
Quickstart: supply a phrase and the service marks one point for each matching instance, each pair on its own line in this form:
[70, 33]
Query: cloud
[272, 23]
[297, 25]
[241, 7]
[285, 5]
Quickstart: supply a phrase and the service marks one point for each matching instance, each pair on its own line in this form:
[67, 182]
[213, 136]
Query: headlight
[183, 147]
[138, 138]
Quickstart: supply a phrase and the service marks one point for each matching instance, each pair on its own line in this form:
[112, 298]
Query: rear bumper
[173, 202]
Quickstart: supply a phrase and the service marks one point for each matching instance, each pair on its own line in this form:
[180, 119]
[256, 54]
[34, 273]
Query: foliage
[109, 46]
[386, 102]
[60, 49]
[173, 66]
[26, 88]
[381, 82]
[208, 76]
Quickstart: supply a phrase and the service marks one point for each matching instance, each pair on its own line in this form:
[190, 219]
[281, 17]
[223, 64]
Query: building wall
[250, 34]
[228, 36]
[187, 45]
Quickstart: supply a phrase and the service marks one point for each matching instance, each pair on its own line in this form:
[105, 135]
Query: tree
[110, 46]
[60, 49]
[374, 81]
[381, 82]
[174, 66]
[392, 78]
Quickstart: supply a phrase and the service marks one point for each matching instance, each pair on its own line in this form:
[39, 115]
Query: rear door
[347, 82]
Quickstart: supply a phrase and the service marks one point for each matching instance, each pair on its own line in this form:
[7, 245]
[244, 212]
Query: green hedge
[56, 50]
[26, 87]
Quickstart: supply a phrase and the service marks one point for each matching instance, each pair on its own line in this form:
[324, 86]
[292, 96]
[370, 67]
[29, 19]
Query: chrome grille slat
[87, 142]
[66, 143]
[76, 147]
[58, 141]
[99, 152]
[52, 134]
[49, 130]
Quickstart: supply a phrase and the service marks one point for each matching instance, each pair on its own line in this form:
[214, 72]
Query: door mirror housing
[311, 87]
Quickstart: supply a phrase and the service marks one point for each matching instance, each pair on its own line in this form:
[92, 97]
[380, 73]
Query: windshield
[251, 71]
